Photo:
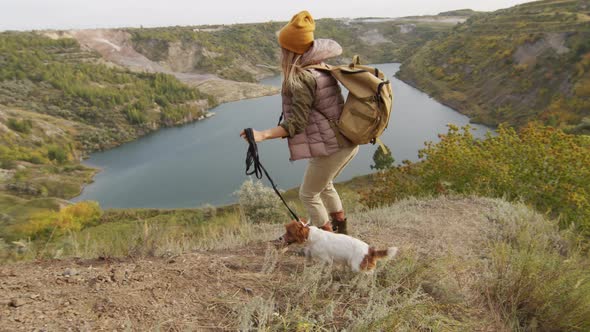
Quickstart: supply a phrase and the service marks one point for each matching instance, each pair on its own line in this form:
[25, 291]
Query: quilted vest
[320, 138]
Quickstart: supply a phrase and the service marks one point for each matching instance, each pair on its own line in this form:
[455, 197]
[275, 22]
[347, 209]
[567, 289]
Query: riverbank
[48, 170]
[203, 163]
[444, 95]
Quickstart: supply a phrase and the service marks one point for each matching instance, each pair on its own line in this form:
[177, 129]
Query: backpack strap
[322, 67]
[381, 145]
[356, 60]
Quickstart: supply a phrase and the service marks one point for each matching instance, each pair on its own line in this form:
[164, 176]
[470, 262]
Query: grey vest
[320, 138]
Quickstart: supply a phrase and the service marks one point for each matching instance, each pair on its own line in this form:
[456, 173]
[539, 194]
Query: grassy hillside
[245, 51]
[58, 78]
[59, 102]
[529, 62]
[542, 166]
[465, 264]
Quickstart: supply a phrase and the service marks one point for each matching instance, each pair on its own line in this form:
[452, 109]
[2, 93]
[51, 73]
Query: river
[203, 162]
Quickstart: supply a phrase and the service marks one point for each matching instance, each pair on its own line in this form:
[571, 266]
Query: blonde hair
[293, 72]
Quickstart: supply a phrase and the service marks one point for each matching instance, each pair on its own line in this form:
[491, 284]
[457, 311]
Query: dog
[335, 248]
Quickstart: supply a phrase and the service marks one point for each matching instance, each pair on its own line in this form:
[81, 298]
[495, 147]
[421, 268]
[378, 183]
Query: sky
[85, 14]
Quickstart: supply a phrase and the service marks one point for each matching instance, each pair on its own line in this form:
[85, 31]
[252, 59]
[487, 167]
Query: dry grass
[465, 264]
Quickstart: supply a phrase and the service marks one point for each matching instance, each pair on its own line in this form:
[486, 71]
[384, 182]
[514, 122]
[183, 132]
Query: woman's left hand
[259, 136]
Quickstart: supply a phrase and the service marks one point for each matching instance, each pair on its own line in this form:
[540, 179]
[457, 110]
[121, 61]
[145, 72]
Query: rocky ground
[196, 291]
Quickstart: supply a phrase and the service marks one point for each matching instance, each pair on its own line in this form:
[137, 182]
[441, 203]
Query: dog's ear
[301, 232]
[289, 226]
[293, 231]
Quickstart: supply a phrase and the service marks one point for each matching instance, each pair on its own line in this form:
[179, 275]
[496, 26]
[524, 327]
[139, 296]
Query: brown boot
[339, 222]
[327, 227]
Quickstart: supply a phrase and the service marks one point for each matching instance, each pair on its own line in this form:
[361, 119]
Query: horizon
[112, 14]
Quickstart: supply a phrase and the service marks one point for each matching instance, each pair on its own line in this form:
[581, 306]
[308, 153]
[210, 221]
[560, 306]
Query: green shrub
[7, 164]
[537, 278]
[260, 204]
[540, 165]
[57, 154]
[36, 158]
[23, 126]
[135, 116]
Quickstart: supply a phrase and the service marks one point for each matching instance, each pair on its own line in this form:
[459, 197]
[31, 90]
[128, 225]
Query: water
[203, 162]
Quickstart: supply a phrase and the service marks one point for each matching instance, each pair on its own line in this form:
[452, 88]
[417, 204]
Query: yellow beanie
[297, 35]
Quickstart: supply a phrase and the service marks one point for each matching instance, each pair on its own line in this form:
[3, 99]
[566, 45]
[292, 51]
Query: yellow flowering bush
[70, 218]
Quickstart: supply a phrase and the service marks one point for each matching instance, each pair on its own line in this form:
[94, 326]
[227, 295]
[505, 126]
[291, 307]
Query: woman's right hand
[259, 136]
[271, 133]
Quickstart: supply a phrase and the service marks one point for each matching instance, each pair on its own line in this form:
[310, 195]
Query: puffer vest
[320, 138]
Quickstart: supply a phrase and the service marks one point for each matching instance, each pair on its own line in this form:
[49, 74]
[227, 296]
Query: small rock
[248, 290]
[234, 266]
[16, 302]
[118, 275]
[70, 272]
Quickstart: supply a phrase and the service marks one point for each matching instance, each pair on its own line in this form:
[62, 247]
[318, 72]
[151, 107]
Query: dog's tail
[386, 253]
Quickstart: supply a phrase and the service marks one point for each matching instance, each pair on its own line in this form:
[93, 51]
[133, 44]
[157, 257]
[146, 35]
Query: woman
[312, 103]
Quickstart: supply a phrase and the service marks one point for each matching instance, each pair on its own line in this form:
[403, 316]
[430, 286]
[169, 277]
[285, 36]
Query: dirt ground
[195, 291]
[200, 290]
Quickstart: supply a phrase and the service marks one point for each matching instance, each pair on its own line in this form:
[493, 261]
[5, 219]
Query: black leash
[253, 159]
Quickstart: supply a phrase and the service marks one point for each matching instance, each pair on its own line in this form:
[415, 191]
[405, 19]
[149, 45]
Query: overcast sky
[68, 14]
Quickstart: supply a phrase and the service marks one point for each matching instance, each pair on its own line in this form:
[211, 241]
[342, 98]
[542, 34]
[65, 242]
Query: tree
[382, 158]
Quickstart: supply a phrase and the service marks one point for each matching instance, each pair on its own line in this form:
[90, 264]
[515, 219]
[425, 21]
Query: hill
[528, 62]
[64, 94]
[248, 52]
[60, 79]
[60, 101]
[460, 12]
[468, 264]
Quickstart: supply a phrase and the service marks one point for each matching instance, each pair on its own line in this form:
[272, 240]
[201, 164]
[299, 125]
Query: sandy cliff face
[115, 47]
[184, 58]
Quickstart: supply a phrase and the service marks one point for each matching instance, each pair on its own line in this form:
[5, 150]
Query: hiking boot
[339, 222]
[327, 227]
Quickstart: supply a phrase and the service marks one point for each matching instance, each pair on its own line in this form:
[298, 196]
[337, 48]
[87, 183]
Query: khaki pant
[317, 191]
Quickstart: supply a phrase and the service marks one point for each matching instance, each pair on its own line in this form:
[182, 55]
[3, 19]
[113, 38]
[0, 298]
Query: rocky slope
[248, 52]
[222, 60]
[528, 62]
[116, 46]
